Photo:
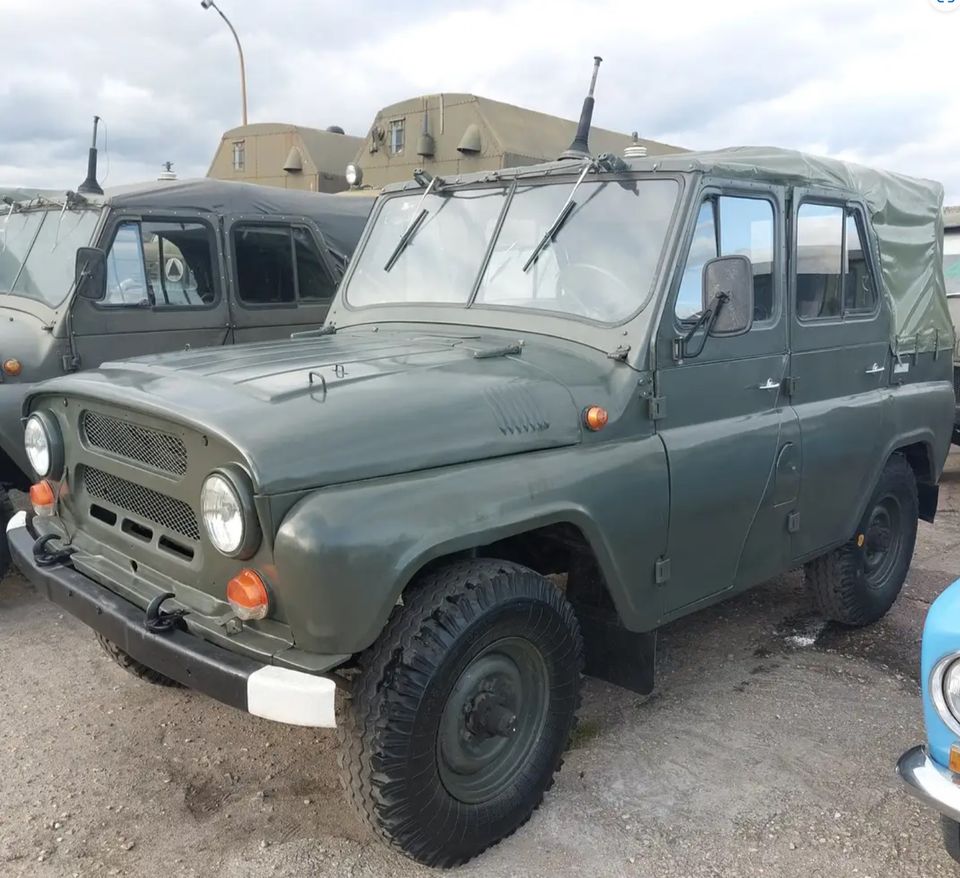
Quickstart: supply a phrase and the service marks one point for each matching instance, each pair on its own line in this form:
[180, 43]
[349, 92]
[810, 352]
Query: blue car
[932, 771]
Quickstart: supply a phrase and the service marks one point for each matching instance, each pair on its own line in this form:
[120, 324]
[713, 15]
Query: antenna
[90, 186]
[579, 148]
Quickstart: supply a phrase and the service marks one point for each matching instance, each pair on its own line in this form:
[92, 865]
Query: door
[727, 427]
[282, 278]
[163, 291]
[841, 364]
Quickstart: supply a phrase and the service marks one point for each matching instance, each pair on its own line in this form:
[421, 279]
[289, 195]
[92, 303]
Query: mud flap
[616, 655]
[928, 496]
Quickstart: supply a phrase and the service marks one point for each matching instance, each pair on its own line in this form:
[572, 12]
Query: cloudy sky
[870, 80]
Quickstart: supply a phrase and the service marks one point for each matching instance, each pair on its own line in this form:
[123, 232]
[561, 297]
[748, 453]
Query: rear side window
[161, 265]
[727, 226]
[280, 265]
[833, 270]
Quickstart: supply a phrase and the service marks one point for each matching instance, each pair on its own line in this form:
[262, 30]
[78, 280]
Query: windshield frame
[473, 313]
[13, 298]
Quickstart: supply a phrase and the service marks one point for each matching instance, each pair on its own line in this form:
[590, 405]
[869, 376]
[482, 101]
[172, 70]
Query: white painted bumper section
[18, 519]
[292, 697]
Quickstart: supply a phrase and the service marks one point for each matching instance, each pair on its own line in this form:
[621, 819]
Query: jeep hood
[359, 404]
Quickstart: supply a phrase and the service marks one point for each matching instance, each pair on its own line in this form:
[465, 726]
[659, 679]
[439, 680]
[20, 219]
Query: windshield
[38, 250]
[951, 262]
[600, 263]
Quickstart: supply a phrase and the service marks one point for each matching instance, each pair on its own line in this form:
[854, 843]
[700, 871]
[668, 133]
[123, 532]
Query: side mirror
[730, 277]
[90, 274]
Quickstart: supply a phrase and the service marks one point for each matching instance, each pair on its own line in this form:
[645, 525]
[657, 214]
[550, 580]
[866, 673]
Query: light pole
[206, 4]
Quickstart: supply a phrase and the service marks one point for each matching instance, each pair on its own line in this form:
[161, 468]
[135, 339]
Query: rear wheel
[462, 710]
[858, 582]
[132, 666]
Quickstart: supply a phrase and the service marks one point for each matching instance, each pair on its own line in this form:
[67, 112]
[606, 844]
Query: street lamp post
[206, 4]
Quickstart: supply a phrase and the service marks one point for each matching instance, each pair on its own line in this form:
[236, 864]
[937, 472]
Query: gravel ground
[767, 749]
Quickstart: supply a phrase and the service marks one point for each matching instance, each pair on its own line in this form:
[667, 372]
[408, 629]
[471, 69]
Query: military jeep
[552, 409]
[188, 264]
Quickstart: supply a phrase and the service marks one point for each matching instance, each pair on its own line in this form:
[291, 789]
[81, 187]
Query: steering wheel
[597, 291]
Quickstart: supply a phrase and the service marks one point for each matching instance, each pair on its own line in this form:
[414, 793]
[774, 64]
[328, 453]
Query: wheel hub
[881, 540]
[488, 716]
[492, 718]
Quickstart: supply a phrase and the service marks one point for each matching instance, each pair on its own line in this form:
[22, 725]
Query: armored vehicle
[187, 265]
[552, 409]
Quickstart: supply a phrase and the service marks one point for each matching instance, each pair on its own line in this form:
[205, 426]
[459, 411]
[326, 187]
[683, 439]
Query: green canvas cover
[906, 214]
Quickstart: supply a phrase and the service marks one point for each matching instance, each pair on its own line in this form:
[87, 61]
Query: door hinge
[793, 523]
[657, 407]
[661, 571]
[789, 385]
[620, 353]
[69, 363]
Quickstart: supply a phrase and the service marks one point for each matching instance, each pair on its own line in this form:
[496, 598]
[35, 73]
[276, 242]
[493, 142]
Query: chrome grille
[168, 512]
[161, 451]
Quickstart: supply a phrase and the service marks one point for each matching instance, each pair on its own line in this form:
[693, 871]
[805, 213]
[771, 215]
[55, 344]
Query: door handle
[874, 369]
[770, 385]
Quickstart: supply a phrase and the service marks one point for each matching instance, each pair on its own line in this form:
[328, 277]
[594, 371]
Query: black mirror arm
[708, 317]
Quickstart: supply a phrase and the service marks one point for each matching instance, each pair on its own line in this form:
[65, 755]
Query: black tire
[951, 836]
[6, 513]
[857, 583]
[441, 756]
[132, 666]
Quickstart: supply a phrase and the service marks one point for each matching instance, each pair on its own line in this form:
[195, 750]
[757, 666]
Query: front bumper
[275, 693]
[930, 782]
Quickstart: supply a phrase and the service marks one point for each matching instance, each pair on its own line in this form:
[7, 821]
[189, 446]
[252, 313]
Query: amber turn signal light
[595, 418]
[955, 758]
[43, 498]
[12, 367]
[247, 595]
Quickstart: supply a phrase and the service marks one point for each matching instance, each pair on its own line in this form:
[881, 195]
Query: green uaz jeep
[552, 409]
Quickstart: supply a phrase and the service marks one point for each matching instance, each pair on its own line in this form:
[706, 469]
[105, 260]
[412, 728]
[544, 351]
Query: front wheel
[857, 583]
[462, 710]
[6, 513]
[132, 666]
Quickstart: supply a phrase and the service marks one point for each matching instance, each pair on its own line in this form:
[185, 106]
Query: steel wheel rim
[492, 719]
[882, 539]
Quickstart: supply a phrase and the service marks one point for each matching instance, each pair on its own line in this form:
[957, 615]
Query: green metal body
[417, 433]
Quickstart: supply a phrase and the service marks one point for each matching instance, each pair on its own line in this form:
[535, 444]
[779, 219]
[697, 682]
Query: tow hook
[159, 621]
[45, 557]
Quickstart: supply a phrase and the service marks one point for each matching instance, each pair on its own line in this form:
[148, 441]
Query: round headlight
[226, 507]
[44, 445]
[951, 689]
[353, 174]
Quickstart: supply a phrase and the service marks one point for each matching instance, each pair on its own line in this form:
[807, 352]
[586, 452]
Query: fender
[14, 468]
[914, 405]
[344, 555]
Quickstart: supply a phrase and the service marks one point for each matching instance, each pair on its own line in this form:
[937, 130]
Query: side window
[160, 264]
[313, 280]
[819, 255]
[126, 277]
[728, 226]
[859, 293]
[702, 250]
[279, 265]
[833, 270]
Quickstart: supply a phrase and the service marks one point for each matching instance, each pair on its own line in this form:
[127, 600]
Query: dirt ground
[767, 749]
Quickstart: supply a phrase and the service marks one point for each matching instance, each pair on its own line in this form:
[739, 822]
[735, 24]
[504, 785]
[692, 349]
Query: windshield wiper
[411, 230]
[557, 224]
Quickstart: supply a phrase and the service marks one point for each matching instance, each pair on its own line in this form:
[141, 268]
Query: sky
[874, 82]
